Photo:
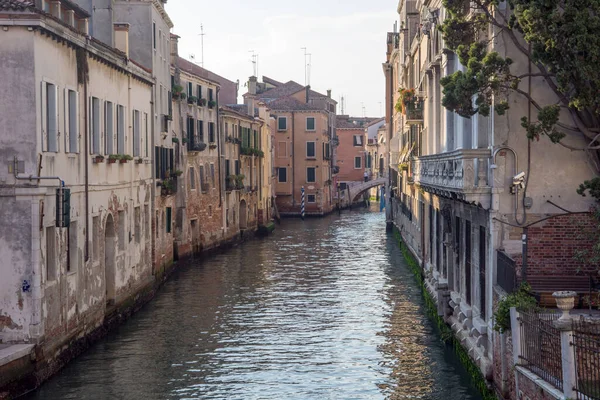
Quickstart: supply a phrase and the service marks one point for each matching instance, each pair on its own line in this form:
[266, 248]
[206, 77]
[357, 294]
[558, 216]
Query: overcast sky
[346, 40]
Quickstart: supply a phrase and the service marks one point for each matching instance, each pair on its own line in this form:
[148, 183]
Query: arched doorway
[110, 247]
[243, 215]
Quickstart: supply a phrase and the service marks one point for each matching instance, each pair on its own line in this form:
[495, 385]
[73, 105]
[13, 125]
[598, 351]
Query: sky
[346, 40]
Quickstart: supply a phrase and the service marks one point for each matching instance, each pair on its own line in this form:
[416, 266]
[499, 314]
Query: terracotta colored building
[351, 150]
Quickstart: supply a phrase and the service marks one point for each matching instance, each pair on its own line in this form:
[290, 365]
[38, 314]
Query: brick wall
[553, 244]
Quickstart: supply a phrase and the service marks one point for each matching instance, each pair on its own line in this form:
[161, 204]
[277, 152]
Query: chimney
[307, 93]
[174, 46]
[122, 37]
[329, 93]
[252, 83]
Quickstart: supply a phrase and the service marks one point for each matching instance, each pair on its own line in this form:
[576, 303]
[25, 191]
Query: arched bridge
[357, 189]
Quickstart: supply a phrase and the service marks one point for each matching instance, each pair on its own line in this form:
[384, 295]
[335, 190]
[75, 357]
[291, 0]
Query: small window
[146, 140]
[357, 162]
[109, 128]
[168, 223]
[210, 95]
[311, 174]
[282, 172]
[198, 92]
[192, 178]
[310, 123]
[201, 131]
[310, 150]
[211, 132]
[281, 123]
[120, 130]
[72, 121]
[154, 35]
[190, 89]
[357, 140]
[226, 129]
[311, 198]
[136, 133]
[95, 125]
[237, 167]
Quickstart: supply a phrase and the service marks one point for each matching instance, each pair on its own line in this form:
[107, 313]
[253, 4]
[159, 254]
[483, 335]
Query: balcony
[459, 174]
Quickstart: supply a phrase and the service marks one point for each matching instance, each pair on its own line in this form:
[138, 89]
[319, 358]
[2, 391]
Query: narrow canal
[323, 309]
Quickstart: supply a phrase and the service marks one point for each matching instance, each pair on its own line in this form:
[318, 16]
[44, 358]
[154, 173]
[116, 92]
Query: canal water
[322, 309]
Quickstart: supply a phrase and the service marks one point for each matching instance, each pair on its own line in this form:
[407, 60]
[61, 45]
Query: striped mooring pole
[302, 204]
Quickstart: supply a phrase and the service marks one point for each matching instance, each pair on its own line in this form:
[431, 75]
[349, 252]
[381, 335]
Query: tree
[559, 37]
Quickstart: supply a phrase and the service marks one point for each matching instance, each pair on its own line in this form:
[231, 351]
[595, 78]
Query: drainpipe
[153, 180]
[86, 169]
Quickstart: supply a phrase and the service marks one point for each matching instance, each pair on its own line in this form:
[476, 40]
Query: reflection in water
[324, 309]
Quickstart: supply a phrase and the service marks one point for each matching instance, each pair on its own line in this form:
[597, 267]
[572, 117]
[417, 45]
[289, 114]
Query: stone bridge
[356, 189]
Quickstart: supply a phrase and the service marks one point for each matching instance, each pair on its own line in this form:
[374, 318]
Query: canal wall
[29, 370]
[433, 310]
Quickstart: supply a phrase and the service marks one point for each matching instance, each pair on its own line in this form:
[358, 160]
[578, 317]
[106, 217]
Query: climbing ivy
[521, 299]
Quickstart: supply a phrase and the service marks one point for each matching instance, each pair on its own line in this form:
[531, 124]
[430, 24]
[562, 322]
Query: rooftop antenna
[202, 44]
[305, 65]
[363, 109]
[308, 66]
[342, 101]
[254, 63]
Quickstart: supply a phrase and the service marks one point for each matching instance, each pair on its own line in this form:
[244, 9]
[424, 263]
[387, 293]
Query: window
[282, 172]
[190, 89]
[108, 128]
[168, 224]
[72, 127]
[310, 150]
[310, 123]
[201, 131]
[50, 254]
[358, 162]
[154, 35]
[211, 132]
[198, 92]
[326, 153]
[120, 130]
[190, 131]
[138, 225]
[72, 248]
[210, 95]
[227, 168]
[357, 140]
[282, 150]
[245, 137]
[256, 144]
[201, 173]
[311, 174]
[146, 140]
[212, 174]
[136, 133]
[95, 121]
[311, 198]
[192, 178]
[226, 129]
[237, 167]
[282, 123]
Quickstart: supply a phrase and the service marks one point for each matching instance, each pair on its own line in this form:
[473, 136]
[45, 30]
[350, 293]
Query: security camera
[519, 177]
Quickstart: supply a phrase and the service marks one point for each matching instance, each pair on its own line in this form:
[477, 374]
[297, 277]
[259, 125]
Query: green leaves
[546, 124]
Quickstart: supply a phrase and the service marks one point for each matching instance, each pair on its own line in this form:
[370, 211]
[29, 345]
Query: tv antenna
[254, 63]
[202, 44]
[342, 104]
[306, 78]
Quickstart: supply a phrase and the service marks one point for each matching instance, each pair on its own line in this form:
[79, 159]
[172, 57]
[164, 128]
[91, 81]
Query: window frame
[315, 175]
[314, 128]
[71, 121]
[279, 169]
[285, 128]
[359, 158]
[314, 197]
[314, 149]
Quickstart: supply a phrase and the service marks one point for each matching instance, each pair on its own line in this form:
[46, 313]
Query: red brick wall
[553, 244]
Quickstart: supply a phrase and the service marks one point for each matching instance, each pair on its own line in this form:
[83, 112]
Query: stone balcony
[459, 174]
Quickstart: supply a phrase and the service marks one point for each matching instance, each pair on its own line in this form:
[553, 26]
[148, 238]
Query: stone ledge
[545, 386]
[14, 352]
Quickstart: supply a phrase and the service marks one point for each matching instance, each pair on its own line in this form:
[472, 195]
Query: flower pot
[98, 159]
[123, 161]
[112, 160]
[565, 301]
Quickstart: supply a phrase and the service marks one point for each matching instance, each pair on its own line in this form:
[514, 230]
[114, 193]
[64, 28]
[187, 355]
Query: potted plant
[177, 172]
[167, 187]
[113, 158]
[239, 181]
[98, 159]
[175, 140]
[202, 102]
[124, 158]
[192, 99]
[178, 92]
[184, 140]
[406, 100]
[212, 103]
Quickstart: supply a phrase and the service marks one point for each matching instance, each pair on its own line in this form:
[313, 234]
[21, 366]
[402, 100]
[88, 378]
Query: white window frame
[315, 169]
[359, 158]
[359, 141]
[95, 145]
[314, 124]
[136, 133]
[279, 176]
[71, 122]
[109, 128]
[314, 150]
[45, 120]
[121, 129]
[278, 128]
